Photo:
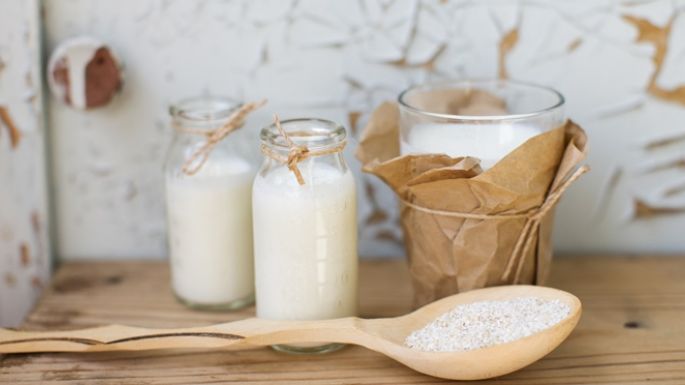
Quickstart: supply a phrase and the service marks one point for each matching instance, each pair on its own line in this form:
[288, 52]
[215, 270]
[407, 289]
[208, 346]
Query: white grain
[482, 324]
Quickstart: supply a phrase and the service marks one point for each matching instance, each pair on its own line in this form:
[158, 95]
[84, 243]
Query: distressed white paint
[24, 249]
[327, 58]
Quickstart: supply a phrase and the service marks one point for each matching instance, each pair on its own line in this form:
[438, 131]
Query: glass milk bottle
[305, 232]
[209, 211]
[486, 119]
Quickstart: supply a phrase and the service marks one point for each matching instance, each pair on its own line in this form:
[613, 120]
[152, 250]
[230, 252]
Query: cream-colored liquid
[210, 232]
[488, 142]
[305, 243]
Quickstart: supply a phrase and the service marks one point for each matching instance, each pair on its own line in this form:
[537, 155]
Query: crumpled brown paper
[464, 228]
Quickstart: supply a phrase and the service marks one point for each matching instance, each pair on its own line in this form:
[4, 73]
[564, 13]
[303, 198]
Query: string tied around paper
[533, 218]
[198, 158]
[296, 153]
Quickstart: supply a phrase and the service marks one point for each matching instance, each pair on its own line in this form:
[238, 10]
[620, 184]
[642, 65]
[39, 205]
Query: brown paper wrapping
[464, 228]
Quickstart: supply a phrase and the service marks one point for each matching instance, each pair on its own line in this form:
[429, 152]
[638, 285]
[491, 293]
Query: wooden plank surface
[632, 330]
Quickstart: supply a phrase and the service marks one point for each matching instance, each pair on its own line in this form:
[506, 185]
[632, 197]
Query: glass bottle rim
[314, 133]
[203, 112]
[484, 83]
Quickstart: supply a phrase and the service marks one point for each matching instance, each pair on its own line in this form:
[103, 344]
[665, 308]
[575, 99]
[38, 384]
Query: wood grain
[632, 330]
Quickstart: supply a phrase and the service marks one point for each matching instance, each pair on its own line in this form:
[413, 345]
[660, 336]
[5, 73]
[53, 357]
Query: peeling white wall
[24, 249]
[338, 59]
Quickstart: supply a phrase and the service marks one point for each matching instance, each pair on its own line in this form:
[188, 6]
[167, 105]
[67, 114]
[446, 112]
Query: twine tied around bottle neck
[532, 217]
[296, 153]
[197, 159]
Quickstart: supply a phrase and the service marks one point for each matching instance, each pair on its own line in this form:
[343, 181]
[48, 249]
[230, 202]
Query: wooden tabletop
[632, 330]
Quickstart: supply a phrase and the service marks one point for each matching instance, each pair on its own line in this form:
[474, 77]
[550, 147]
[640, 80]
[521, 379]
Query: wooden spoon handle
[247, 333]
[114, 337]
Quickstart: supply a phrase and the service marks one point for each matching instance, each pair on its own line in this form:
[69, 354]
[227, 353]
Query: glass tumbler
[486, 119]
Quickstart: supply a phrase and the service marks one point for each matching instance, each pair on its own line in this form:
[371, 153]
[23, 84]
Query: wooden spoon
[385, 335]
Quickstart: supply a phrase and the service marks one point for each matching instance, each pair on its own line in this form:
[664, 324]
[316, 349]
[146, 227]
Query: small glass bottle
[305, 234]
[209, 212]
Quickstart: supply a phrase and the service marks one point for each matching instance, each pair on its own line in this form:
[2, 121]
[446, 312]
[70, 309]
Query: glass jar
[209, 212]
[305, 234]
[486, 119]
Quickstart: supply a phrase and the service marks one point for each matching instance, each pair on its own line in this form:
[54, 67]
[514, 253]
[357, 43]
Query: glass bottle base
[315, 349]
[228, 306]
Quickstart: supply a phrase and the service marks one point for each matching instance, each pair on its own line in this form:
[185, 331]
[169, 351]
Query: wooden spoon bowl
[475, 364]
[385, 335]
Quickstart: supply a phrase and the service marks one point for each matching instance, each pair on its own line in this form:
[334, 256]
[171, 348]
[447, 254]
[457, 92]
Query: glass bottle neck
[193, 120]
[318, 136]
[201, 115]
[313, 146]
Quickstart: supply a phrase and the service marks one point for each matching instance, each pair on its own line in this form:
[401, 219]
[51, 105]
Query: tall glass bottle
[209, 212]
[305, 234]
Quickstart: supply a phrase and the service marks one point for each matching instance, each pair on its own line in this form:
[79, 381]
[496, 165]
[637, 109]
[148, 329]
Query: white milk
[210, 232]
[305, 243]
[488, 142]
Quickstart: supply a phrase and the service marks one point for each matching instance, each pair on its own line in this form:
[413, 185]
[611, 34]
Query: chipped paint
[12, 130]
[24, 254]
[353, 119]
[574, 45]
[664, 141]
[388, 236]
[659, 38]
[644, 210]
[675, 190]
[506, 45]
[36, 223]
[428, 65]
[376, 216]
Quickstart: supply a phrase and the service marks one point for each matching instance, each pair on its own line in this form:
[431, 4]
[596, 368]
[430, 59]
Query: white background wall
[620, 64]
[338, 59]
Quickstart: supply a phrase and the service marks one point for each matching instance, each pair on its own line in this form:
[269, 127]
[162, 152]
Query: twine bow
[296, 153]
[533, 218]
[195, 162]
